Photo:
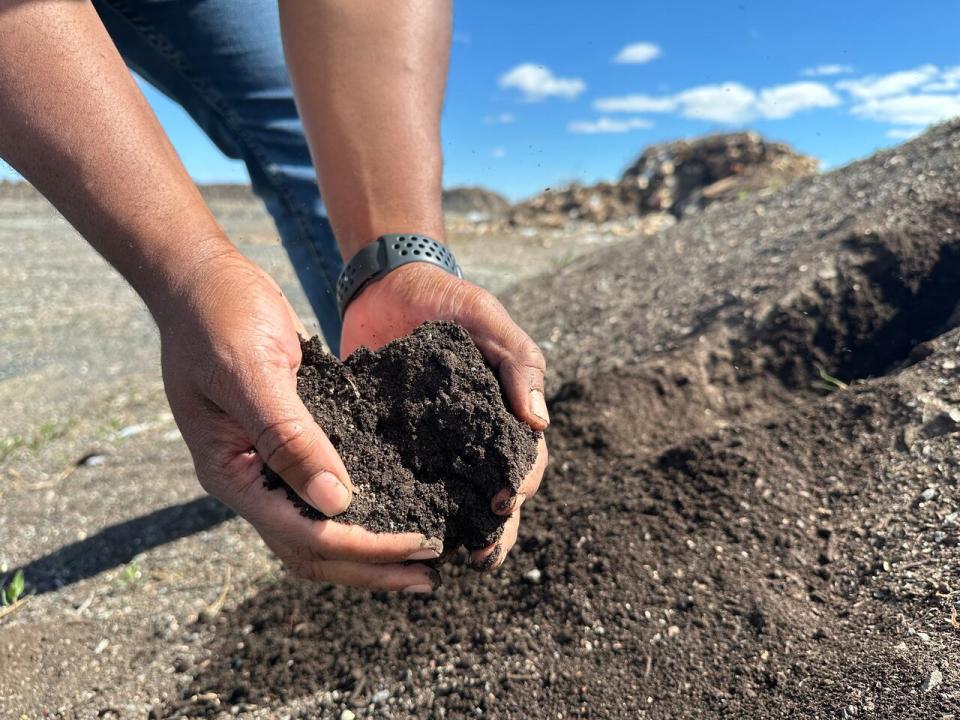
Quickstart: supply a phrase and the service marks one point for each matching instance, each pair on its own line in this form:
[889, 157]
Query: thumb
[291, 443]
[520, 365]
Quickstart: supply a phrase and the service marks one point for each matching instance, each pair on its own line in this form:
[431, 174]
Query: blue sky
[545, 93]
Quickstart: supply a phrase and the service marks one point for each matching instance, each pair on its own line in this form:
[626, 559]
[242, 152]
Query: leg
[222, 60]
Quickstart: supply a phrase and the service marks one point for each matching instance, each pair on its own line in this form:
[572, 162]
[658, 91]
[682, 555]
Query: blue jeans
[222, 61]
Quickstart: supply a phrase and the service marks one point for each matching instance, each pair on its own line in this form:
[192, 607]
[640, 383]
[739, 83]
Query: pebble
[927, 495]
[936, 677]
[348, 715]
[380, 696]
[533, 576]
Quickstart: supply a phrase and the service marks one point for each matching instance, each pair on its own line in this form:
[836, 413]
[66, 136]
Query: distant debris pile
[677, 178]
[474, 203]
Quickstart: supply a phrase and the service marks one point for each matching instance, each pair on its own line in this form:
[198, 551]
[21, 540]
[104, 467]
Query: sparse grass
[13, 590]
[113, 427]
[10, 444]
[828, 382]
[564, 260]
[42, 436]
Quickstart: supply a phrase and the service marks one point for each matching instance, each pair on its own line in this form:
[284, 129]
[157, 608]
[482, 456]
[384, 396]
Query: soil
[423, 430]
[751, 507]
[723, 532]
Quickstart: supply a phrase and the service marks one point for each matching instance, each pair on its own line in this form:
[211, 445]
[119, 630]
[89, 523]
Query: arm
[369, 78]
[73, 122]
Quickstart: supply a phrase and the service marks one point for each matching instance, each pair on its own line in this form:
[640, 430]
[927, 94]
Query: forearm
[369, 78]
[74, 123]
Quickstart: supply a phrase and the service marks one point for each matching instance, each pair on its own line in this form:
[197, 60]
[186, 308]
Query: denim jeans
[222, 61]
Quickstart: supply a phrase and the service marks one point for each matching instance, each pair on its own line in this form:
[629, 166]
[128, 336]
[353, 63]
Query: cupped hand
[415, 293]
[230, 355]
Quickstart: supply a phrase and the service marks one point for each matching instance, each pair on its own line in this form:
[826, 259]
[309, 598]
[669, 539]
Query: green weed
[828, 382]
[13, 590]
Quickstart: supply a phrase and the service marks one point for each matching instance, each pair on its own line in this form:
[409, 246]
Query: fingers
[521, 375]
[396, 577]
[506, 501]
[493, 556]
[336, 541]
[285, 529]
[290, 442]
[519, 362]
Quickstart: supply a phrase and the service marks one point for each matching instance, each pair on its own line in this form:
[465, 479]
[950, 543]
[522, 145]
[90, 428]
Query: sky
[544, 93]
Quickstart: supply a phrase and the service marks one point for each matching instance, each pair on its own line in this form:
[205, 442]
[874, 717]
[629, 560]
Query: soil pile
[751, 509]
[474, 203]
[422, 428]
[679, 178]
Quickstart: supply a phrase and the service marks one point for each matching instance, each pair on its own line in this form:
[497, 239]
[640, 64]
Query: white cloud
[729, 103]
[498, 152]
[609, 125]
[635, 104]
[909, 109]
[948, 80]
[782, 101]
[503, 118]
[878, 86]
[825, 70]
[903, 133]
[537, 82]
[638, 53]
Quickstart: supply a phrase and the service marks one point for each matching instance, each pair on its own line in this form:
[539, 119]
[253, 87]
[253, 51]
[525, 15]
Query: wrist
[171, 279]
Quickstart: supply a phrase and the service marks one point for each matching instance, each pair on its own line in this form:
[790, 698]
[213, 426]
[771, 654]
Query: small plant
[14, 589]
[9, 444]
[828, 382]
[131, 573]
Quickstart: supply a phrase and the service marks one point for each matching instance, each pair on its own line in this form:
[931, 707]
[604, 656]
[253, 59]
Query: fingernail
[430, 549]
[509, 503]
[327, 493]
[538, 404]
[428, 587]
[484, 564]
[426, 554]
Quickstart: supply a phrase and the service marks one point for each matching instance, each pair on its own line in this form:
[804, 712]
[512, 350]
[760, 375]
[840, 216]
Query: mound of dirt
[422, 428]
[475, 202]
[678, 178]
[751, 509]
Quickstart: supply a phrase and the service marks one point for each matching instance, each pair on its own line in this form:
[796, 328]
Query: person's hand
[415, 293]
[230, 355]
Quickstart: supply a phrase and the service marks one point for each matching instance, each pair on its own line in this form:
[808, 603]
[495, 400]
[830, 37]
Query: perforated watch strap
[387, 254]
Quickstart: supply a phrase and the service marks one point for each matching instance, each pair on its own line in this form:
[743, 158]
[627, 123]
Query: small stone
[927, 495]
[533, 576]
[348, 715]
[380, 696]
[936, 677]
[924, 637]
[673, 631]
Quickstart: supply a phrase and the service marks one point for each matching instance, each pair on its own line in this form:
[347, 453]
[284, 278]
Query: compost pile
[676, 178]
[423, 431]
[751, 508]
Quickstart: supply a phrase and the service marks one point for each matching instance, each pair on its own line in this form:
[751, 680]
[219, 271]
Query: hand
[418, 292]
[230, 355]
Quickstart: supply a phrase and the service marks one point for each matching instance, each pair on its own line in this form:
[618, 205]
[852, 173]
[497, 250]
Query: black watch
[387, 254]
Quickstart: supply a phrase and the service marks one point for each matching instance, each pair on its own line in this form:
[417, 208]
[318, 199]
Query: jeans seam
[218, 104]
